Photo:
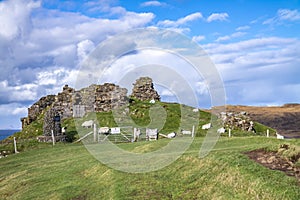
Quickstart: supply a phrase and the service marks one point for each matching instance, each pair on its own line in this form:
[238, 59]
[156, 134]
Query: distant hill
[285, 119]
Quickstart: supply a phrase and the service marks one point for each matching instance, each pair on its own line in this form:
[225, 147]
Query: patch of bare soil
[274, 161]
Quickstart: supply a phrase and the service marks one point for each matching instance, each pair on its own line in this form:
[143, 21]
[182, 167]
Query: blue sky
[255, 45]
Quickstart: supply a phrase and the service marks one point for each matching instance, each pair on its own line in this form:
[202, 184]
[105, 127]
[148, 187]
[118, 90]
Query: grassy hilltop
[69, 171]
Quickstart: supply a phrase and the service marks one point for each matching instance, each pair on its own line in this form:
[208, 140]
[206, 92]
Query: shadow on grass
[71, 136]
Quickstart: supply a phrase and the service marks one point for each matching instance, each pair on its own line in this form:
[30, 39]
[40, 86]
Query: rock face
[144, 90]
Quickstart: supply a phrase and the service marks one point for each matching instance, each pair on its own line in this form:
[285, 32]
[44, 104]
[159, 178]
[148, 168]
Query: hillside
[285, 119]
[68, 171]
[176, 117]
[142, 108]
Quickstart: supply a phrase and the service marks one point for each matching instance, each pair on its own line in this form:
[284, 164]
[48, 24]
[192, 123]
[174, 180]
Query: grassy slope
[139, 113]
[68, 171]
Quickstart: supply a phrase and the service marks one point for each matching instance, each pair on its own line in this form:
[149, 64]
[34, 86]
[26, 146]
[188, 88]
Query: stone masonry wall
[95, 98]
[50, 124]
[143, 90]
[36, 109]
[63, 102]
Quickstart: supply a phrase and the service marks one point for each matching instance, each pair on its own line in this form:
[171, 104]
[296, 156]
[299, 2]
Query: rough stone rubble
[239, 120]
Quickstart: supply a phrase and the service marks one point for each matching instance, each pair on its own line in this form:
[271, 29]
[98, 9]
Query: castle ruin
[95, 98]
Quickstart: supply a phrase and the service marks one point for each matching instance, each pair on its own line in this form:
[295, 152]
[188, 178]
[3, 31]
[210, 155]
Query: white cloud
[55, 77]
[202, 87]
[25, 92]
[19, 111]
[174, 74]
[242, 28]
[181, 21]
[36, 42]
[84, 48]
[257, 70]
[284, 15]
[228, 37]
[49, 77]
[47, 81]
[198, 38]
[12, 108]
[189, 18]
[218, 17]
[166, 92]
[10, 115]
[135, 20]
[153, 3]
[103, 6]
[246, 45]
[15, 17]
[290, 15]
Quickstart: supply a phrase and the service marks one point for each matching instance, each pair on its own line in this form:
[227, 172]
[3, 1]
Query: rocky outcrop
[143, 90]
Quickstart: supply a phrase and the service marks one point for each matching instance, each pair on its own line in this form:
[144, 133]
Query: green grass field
[68, 171]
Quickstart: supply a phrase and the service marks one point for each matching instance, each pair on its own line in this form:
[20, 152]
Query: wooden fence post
[193, 131]
[134, 134]
[53, 138]
[268, 133]
[95, 132]
[15, 145]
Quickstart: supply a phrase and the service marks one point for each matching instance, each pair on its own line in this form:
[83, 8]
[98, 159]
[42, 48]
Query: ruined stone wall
[95, 98]
[101, 98]
[64, 102]
[50, 123]
[37, 108]
[109, 96]
[239, 120]
[86, 97]
[143, 90]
